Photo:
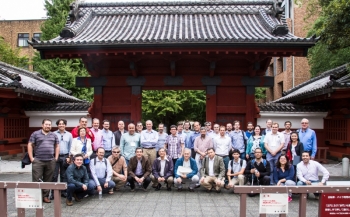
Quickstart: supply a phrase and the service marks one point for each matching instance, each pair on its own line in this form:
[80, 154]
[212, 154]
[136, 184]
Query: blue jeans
[300, 183]
[242, 156]
[71, 188]
[226, 161]
[101, 181]
[272, 160]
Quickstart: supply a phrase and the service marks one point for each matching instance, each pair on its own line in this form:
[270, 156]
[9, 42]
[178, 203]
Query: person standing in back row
[239, 139]
[308, 137]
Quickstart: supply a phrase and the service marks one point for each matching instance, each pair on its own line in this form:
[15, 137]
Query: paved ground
[154, 203]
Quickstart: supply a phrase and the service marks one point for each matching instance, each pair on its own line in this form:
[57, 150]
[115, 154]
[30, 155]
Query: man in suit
[212, 171]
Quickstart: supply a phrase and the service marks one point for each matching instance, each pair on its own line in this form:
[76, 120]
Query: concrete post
[345, 163]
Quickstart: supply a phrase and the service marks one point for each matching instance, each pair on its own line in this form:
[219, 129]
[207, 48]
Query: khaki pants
[150, 153]
[118, 182]
[169, 181]
[239, 180]
[43, 170]
[210, 181]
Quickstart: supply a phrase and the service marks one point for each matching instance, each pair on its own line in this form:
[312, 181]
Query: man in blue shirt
[190, 139]
[149, 140]
[65, 138]
[108, 139]
[238, 139]
[308, 138]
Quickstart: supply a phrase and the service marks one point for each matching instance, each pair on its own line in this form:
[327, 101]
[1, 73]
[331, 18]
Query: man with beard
[129, 142]
[307, 172]
[286, 133]
[228, 128]
[250, 130]
[46, 151]
[107, 138]
[83, 124]
[65, 138]
[118, 134]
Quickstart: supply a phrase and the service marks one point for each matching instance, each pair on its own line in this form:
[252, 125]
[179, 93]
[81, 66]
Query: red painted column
[211, 104]
[136, 104]
[250, 103]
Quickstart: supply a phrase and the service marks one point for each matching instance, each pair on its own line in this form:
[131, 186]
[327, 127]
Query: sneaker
[158, 187]
[289, 199]
[69, 202]
[198, 185]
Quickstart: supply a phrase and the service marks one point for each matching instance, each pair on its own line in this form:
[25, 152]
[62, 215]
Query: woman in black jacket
[295, 149]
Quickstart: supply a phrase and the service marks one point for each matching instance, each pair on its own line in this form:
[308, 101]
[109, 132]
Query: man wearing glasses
[208, 128]
[65, 138]
[308, 138]
[258, 169]
[120, 169]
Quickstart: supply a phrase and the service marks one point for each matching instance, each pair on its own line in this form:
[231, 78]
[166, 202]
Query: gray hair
[115, 147]
[188, 150]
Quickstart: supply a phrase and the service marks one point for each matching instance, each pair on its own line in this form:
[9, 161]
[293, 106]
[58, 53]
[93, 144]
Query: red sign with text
[333, 204]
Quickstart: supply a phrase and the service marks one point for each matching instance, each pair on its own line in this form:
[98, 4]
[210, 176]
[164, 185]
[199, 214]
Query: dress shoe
[158, 187]
[64, 194]
[76, 198]
[46, 200]
[208, 190]
[179, 189]
[69, 202]
[190, 189]
[168, 188]
[218, 191]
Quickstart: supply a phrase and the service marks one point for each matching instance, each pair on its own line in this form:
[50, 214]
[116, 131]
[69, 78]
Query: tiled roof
[32, 82]
[335, 78]
[76, 106]
[290, 107]
[165, 23]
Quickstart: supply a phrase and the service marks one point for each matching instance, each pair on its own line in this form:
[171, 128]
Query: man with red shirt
[83, 123]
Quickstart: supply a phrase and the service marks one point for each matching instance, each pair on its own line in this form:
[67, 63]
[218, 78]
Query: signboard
[28, 198]
[333, 204]
[273, 204]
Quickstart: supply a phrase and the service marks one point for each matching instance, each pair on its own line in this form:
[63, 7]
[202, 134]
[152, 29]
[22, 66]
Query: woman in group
[295, 148]
[82, 145]
[283, 174]
[255, 141]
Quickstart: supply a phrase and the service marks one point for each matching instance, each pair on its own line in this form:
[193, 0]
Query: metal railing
[56, 187]
[302, 190]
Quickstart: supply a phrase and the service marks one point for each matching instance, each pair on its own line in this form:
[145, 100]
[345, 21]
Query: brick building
[17, 32]
[289, 71]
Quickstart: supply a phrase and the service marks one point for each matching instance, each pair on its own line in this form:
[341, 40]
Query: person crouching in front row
[162, 170]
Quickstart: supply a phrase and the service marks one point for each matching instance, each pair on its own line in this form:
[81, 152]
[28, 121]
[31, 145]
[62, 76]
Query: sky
[34, 9]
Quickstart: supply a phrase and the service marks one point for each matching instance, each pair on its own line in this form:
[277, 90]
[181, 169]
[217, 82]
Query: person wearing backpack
[101, 173]
[239, 139]
[258, 169]
[235, 171]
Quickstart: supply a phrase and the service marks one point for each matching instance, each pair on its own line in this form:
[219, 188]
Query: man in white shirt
[222, 146]
[274, 143]
[307, 172]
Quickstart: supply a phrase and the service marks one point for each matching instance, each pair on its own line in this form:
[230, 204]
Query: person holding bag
[82, 145]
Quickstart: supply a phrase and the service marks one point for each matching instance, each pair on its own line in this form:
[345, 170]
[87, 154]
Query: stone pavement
[155, 203]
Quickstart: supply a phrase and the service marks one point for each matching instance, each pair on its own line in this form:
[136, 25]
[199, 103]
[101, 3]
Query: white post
[345, 163]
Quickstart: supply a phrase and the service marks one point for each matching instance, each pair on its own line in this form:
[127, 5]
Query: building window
[280, 89]
[22, 39]
[37, 36]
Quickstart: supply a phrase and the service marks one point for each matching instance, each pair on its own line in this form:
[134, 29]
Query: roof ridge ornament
[271, 25]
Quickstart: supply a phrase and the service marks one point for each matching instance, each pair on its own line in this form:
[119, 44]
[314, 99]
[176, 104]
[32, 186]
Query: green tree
[171, 106]
[12, 56]
[60, 71]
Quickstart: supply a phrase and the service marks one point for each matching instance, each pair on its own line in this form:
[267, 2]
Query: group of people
[98, 160]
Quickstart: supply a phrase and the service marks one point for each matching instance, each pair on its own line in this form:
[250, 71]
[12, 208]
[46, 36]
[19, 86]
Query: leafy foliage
[60, 71]
[12, 56]
[63, 73]
[260, 92]
[171, 106]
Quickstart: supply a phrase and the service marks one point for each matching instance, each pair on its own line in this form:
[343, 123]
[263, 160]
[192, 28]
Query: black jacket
[117, 136]
[263, 170]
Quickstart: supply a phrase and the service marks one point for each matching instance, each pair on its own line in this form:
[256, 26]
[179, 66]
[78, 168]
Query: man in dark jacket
[139, 170]
[118, 134]
[77, 181]
[162, 170]
[258, 169]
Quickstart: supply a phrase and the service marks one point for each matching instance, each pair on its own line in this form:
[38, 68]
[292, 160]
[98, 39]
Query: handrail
[56, 187]
[302, 190]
